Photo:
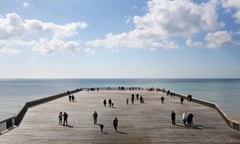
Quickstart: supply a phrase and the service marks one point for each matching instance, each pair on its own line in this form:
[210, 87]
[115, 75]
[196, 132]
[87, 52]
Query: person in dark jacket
[95, 116]
[190, 120]
[115, 123]
[65, 119]
[173, 118]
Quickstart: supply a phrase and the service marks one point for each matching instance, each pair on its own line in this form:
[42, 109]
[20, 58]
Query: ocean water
[15, 92]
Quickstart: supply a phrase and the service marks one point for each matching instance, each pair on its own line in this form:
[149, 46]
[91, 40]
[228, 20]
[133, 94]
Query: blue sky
[120, 39]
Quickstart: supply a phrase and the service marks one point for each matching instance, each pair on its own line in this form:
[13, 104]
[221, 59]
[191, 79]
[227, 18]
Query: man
[115, 123]
[65, 119]
[190, 120]
[173, 117]
[95, 115]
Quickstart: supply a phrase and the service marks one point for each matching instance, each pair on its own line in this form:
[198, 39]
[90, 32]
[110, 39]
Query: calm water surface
[15, 92]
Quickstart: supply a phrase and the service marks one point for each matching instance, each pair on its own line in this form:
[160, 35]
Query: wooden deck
[138, 123]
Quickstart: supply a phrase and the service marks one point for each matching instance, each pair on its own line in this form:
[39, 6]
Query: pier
[145, 123]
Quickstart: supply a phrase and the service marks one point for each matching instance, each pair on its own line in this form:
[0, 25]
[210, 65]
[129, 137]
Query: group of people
[187, 119]
[71, 98]
[95, 118]
[133, 99]
[63, 118]
[110, 102]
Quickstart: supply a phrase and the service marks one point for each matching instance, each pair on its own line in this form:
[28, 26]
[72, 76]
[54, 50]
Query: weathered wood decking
[138, 123]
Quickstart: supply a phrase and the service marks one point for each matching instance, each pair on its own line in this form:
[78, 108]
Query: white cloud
[218, 39]
[195, 44]
[16, 42]
[89, 51]
[178, 17]
[11, 26]
[58, 31]
[133, 39]
[16, 32]
[9, 46]
[164, 20]
[9, 51]
[235, 4]
[25, 4]
[44, 46]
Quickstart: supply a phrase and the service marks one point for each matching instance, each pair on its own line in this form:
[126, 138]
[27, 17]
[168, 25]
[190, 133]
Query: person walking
[115, 123]
[95, 116]
[101, 127]
[173, 118]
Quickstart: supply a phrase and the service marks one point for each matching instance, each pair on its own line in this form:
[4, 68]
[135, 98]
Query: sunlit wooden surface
[138, 123]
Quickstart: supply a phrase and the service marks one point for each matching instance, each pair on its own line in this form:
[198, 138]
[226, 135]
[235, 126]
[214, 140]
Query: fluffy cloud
[58, 31]
[235, 4]
[178, 17]
[195, 44]
[133, 39]
[164, 19]
[13, 28]
[218, 39]
[45, 46]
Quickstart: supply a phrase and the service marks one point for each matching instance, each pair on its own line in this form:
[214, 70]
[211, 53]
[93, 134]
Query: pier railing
[14, 121]
[234, 124]
[6, 124]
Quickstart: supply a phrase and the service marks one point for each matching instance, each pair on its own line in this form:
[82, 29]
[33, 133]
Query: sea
[14, 93]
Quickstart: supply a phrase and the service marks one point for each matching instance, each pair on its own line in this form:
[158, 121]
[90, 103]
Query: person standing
[141, 99]
[162, 99]
[110, 102]
[95, 115]
[104, 102]
[115, 123]
[181, 99]
[184, 118]
[137, 97]
[132, 99]
[190, 120]
[65, 119]
[173, 118]
[127, 101]
[60, 118]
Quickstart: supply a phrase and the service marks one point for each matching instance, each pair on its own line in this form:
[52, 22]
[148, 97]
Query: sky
[120, 39]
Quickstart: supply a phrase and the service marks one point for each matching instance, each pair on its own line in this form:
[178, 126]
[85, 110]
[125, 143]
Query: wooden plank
[138, 123]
